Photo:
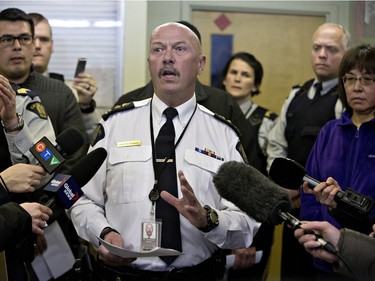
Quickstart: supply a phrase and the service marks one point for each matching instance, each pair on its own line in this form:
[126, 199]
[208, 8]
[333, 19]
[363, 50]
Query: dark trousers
[205, 271]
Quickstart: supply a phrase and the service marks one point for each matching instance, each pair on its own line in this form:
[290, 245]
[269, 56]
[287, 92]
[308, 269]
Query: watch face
[214, 217]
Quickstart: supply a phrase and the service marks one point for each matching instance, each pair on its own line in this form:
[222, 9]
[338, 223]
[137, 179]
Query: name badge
[129, 143]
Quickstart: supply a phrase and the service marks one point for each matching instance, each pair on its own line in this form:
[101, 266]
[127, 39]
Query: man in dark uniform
[305, 111]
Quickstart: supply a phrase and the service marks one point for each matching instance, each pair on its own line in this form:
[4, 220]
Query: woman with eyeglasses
[344, 152]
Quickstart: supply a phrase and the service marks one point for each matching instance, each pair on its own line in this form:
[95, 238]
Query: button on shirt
[127, 176]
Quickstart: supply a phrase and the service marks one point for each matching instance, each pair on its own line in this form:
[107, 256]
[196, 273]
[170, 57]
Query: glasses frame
[364, 81]
[19, 38]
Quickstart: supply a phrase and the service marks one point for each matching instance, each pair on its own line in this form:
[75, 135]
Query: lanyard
[155, 192]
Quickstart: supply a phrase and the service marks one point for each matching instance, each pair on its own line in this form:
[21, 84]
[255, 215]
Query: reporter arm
[15, 225]
[358, 250]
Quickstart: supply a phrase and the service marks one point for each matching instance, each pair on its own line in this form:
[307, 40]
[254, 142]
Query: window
[89, 29]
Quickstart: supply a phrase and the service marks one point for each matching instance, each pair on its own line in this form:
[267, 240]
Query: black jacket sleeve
[15, 225]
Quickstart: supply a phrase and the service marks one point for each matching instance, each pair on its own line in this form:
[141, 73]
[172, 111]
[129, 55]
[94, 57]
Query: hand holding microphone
[21, 178]
[327, 231]
[39, 215]
[290, 174]
[257, 196]
[324, 192]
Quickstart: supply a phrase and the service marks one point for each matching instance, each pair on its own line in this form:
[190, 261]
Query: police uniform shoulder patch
[98, 134]
[228, 122]
[38, 109]
[118, 108]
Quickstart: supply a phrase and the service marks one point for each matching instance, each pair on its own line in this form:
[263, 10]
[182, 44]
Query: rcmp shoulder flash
[98, 134]
[25, 92]
[38, 109]
[118, 108]
[241, 150]
[228, 122]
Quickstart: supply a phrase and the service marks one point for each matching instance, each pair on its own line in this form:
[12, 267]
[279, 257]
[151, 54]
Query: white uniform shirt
[35, 127]
[277, 143]
[123, 183]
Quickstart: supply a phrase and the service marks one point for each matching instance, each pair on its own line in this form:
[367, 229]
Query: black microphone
[66, 189]
[69, 141]
[52, 157]
[252, 192]
[258, 196]
[290, 174]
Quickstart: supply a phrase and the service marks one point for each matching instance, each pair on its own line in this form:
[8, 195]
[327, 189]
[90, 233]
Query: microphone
[290, 174]
[67, 188]
[258, 196]
[51, 157]
[252, 192]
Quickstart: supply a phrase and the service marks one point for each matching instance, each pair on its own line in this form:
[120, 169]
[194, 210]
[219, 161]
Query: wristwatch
[16, 127]
[212, 219]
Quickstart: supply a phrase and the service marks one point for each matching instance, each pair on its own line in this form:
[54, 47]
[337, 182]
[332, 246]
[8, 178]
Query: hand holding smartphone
[81, 64]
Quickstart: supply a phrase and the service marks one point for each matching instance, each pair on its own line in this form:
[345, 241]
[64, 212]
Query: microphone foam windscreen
[70, 140]
[287, 173]
[251, 191]
[86, 168]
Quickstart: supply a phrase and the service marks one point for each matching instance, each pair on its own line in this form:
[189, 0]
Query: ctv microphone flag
[65, 188]
[47, 155]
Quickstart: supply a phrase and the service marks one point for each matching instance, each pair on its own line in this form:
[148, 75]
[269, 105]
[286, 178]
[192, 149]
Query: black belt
[205, 271]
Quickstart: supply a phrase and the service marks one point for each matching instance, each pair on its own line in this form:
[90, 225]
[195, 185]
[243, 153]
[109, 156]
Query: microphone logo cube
[66, 189]
[47, 155]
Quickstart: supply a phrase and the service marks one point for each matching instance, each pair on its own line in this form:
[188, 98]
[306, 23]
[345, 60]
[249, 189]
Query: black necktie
[318, 90]
[166, 168]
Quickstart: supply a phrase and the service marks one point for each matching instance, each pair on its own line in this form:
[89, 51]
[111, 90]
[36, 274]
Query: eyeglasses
[352, 80]
[8, 40]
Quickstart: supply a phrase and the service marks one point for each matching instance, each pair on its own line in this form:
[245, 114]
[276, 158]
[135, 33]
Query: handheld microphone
[258, 196]
[290, 174]
[67, 188]
[51, 157]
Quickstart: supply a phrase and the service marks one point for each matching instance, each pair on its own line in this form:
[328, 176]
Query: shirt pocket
[129, 174]
[202, 161]
[200, 169]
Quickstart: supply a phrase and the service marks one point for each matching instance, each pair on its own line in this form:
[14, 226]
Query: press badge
[151, 233]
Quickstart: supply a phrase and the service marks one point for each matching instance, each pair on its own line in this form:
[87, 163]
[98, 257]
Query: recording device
[51, 157]
[290, 174]
[66, 189]
[81, 65]
[258, 196]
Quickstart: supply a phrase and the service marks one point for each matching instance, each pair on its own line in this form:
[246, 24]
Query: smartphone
[81, 64]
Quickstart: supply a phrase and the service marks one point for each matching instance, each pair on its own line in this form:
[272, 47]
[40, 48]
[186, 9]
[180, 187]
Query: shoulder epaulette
[297, 86]
[270, 115]
[227, 122]
[118, 108]
[25, 92]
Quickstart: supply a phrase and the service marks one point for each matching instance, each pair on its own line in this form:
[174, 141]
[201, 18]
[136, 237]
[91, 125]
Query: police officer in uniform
[305, 111]
[24, 121]
[124, 191]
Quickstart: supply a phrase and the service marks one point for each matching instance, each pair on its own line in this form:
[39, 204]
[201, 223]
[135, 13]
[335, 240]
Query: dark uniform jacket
[305, 118]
